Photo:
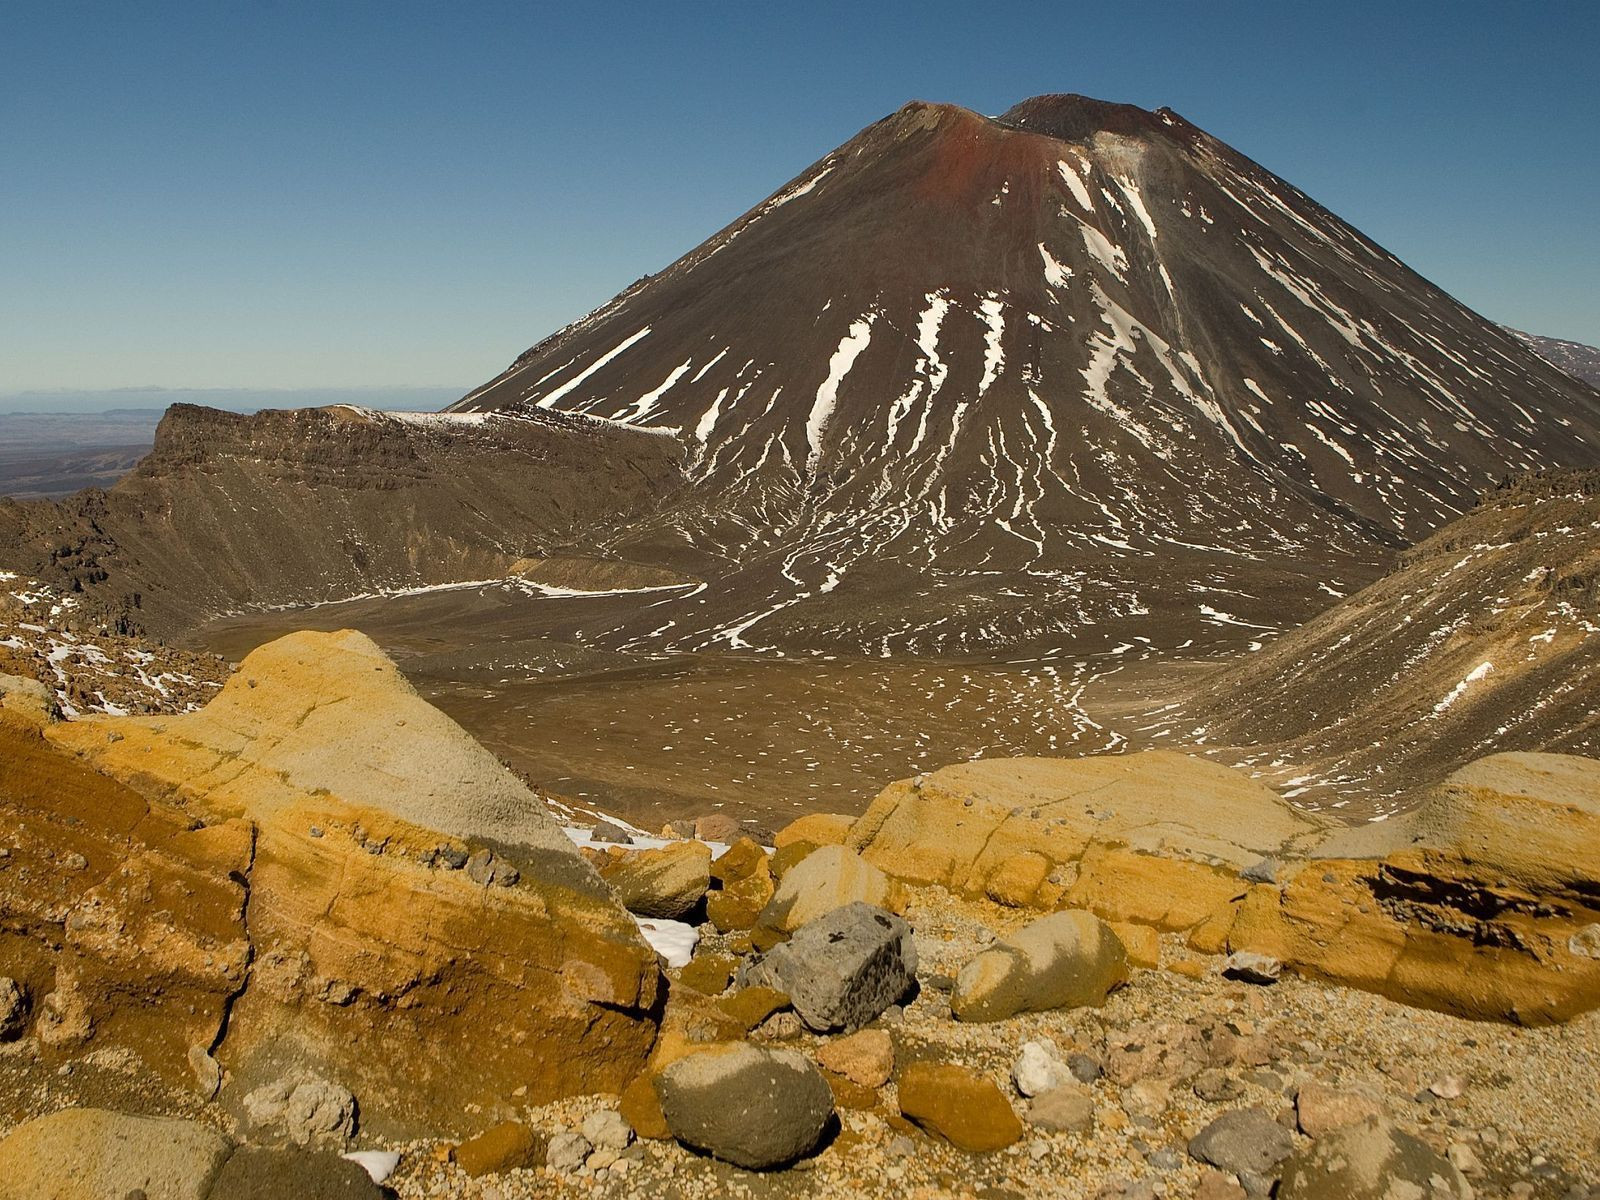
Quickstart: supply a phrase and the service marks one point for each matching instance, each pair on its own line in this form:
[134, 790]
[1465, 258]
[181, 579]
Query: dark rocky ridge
[1575, 358]
[299, 506]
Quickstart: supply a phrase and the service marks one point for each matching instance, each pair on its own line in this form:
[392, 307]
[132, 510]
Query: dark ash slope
[1073, 376]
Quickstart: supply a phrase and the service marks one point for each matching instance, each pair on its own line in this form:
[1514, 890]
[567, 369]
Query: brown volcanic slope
[1486, 638]
[1067, 381]
[299, 506]
[1081, 373]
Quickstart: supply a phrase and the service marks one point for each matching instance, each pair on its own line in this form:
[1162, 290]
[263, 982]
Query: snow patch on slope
[850, 347]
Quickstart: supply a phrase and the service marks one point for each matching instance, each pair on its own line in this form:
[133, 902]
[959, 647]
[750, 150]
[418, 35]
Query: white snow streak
[1055, 274]
[1075, 185]
[851, 345]
[547, 401]
[994, 357]
[1477, 673]
[646, 404]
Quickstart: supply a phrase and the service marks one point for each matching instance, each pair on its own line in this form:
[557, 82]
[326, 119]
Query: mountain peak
[1075, 118]
[1083, 347]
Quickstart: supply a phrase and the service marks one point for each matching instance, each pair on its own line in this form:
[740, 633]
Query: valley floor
[654, 738]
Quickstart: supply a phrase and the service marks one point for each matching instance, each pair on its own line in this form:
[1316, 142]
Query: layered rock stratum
[317, 872]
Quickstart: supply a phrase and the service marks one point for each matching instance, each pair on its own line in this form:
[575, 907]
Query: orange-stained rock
[817, 829]
[964, 1108]
[1141, 941]
[739, 860]
[404, 891]
[829, 878]
[353, 946]
[126, 927]
[1475, 903]
[1157, 838]
[738, 903]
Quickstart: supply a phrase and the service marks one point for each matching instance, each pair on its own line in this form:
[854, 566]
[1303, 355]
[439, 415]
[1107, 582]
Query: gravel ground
[1528, 1106]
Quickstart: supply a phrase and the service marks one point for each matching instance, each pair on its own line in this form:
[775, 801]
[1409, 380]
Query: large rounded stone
[964, 1108]
[753, 1107]
[667, 882]
[826, 879]
[93, 1154]
[1066, 960]
[1370, 1160]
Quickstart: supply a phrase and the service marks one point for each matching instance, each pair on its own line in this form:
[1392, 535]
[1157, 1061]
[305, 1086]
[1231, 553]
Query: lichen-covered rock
[737, 904]
[1065, 960]
[753, 1107]
[737, 862]
[827, 879]
[351, 844]
[1468, 904]
[815, 829]
[1154, 837]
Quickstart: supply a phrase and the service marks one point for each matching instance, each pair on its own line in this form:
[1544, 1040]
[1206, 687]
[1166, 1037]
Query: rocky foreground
[311, 940]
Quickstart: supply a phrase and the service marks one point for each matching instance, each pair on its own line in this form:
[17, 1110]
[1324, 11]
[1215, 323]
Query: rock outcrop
[1476, 902]
[290, 868]
[232, 511]
[1483, 901]
[1158, 837]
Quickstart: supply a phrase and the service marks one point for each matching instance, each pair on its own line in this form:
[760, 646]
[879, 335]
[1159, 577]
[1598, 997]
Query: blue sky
[283, 194]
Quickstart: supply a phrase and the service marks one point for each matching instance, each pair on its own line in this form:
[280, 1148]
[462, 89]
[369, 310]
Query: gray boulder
[1245, 1141]
[1066, 960]
[753, 1107]
[259, 1173]
[1370, 1160]
[843, 969]
[84, 1152]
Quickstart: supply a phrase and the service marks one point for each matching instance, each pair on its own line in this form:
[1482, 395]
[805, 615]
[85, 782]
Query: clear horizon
[382, 196]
